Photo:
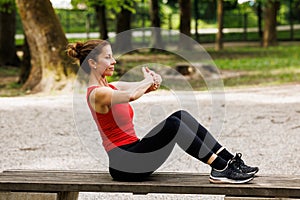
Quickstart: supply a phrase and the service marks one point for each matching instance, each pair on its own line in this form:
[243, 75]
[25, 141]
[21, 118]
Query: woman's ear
[92, 63]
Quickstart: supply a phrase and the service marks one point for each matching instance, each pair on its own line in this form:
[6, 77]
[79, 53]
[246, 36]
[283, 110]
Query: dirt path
[262, 123]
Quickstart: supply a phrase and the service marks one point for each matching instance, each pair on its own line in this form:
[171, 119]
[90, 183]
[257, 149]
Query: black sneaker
[239, 164]
[229, 175]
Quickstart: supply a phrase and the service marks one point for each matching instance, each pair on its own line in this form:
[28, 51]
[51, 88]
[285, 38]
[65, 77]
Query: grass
[250, 66]
[8, 71]
[259, 66]
[9, 85]
[256, 58]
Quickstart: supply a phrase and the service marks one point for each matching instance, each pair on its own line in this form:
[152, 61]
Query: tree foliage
[8, 54]
[115, 5]
[7, 5]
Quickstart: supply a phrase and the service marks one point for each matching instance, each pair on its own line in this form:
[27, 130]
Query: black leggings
[138, 160]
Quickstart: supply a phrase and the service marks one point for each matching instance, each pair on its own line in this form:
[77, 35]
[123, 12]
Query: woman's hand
[103, 98]
[156, 80]
[147, 74]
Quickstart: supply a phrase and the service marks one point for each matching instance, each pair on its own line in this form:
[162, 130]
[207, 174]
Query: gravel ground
[39, 132]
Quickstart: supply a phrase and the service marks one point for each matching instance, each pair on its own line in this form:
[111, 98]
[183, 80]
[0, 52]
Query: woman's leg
[171, 131]
[151, 152]
[216, 147]
[140, 159]
[201, 132]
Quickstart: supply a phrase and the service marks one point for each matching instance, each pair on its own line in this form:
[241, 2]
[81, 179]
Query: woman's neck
[101, 81]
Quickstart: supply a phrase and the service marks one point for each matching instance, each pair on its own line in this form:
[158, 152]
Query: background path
[262, 123]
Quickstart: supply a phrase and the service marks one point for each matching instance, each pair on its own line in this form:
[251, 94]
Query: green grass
[9, 85]
[260, 66]
[257, 58]
[9, 71]
[250, 65]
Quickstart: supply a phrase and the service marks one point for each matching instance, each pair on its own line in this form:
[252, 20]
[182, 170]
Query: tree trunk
[196, 14]
[8, 52]
[270, 34]
[219, 36]
[185, 23]
[123, 41]
[291, 20]
[51, 68]
[25, 65]
[259, 19]
[156, 42]
[101, 17]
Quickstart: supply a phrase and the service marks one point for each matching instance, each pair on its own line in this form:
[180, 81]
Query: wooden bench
[68, 184]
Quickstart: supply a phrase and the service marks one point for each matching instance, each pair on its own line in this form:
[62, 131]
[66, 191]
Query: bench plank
[177, 183]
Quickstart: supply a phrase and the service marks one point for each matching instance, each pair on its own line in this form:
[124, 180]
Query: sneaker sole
[226, 180]
[252, 173]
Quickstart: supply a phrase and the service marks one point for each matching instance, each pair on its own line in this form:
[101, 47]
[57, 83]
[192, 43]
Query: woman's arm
[122, 85]
[102, 98]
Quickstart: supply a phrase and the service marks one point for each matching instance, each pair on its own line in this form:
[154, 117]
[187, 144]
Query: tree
[101, 17]
[185, 21]
[123, 41]
[123, 10]
[259, 19]
[220, 15]
[8, 55]
[291, 20]
[51, 68]
[25, 65]
[270, 34]
[196, 16]
[100, 7]
[155, 22]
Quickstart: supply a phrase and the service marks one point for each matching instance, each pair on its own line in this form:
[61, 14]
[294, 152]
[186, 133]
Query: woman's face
[105, 62]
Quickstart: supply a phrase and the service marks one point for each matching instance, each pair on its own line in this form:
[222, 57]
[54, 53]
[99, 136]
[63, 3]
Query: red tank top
[116, 127]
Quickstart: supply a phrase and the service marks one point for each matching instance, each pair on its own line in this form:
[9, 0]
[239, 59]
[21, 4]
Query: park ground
[260, 120]
[39, 132]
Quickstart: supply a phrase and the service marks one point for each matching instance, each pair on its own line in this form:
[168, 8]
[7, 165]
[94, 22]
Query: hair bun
[73, 50]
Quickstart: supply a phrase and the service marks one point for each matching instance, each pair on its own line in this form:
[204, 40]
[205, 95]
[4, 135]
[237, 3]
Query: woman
[131, 158]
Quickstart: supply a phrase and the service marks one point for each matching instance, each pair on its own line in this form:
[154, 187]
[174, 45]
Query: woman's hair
[83, 51]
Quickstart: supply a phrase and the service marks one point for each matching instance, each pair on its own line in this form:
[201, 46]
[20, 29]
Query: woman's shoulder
[98, 90]
[113, 85]
[92, 87]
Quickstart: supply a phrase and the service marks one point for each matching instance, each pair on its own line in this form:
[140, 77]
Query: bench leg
[25, 195]
[67, 195]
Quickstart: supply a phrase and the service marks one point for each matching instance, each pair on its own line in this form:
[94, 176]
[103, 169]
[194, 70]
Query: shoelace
[238, 159]
[232, 165]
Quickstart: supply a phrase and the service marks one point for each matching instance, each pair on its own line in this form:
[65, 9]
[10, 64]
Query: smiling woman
[132, 158]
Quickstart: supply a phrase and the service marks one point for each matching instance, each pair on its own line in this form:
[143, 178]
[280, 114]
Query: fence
[239, 25]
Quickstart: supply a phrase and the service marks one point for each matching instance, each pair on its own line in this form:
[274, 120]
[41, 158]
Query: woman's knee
[179, 113]
[173, 122]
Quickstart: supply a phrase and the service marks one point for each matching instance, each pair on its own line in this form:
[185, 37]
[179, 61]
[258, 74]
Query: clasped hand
[151, 75]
